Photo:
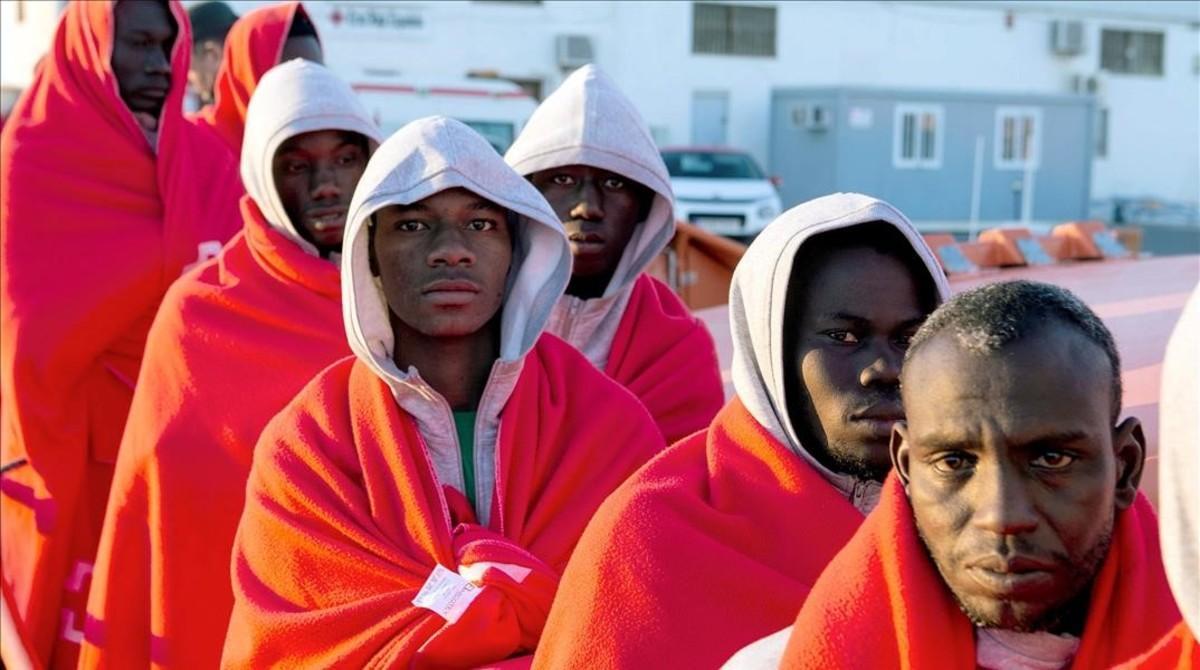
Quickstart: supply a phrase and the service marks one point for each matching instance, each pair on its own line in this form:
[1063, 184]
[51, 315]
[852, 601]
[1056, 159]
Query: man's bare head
[1011, 454]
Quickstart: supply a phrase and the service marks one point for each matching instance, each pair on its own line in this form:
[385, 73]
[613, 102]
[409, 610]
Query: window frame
[1034, 160]
[730, 10]
[918, 110]
[1130, 66]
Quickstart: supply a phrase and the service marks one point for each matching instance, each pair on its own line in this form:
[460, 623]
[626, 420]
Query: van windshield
[711, 165]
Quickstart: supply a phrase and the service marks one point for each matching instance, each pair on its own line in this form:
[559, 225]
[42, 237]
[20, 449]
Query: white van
[497, 109]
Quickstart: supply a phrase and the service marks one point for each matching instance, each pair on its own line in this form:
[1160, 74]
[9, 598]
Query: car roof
[712, 149]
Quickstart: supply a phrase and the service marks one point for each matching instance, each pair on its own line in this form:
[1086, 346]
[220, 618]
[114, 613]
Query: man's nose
[323, 184]
[159, 61]
[1002, 503]
[883, 367]
[589, 206]
[450, 248]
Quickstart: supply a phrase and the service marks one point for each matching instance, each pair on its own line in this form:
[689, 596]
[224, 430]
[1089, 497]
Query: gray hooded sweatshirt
[293, 98]
[756, 299]
[426, 157]
[756, 316]
[588, 121]
[1179, 467]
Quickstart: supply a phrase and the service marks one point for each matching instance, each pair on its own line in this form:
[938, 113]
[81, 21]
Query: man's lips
[879, 418]
[1016, 576]
[149, 98]
[450, 292]
[585, 241]
[327, 218]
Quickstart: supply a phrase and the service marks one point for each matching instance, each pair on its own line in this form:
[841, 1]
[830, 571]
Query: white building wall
[998, 47]
[26, 29]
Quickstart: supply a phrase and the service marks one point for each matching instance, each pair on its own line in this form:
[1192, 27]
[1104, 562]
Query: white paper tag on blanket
[446, 594]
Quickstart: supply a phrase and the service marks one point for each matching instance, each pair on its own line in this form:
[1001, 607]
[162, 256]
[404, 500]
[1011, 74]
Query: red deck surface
[1139, 300]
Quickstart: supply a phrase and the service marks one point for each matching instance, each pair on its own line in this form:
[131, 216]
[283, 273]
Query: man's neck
[456, 367]
[586, 288]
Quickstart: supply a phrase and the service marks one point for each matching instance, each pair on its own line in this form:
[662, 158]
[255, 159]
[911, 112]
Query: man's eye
[1053, 460]
[295, 168]
[348, 159]
[614, 184]
[903, 341]
[410, 226]
[843, 336]
[481, 225]
[952, 463]
[563, 180]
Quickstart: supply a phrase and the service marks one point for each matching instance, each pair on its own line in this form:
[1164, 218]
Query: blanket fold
[667, 358]
[713, 519]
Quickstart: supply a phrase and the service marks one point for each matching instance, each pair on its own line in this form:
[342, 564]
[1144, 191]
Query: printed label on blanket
[447, 594]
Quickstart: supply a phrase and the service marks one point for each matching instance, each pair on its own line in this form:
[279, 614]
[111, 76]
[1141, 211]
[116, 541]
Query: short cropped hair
[987, 319]
[211, 21]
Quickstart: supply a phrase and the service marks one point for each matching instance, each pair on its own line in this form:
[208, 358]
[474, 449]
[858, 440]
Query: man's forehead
[151, 16]
[851, 280]
[1046, 379]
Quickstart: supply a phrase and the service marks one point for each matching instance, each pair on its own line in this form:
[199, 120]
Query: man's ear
[1129, 447]
[899, 450]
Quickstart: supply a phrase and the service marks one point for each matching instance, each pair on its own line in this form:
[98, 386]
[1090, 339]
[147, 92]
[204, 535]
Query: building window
[1102, 132]
[1018, 138]
[1132, 52]
[917, 136]
[735, 30]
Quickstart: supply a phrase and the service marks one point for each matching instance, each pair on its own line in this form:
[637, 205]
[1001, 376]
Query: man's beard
[1069, 614]
[848, 459]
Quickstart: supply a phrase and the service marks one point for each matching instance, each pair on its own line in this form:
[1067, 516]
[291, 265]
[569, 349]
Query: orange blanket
[93, 229]
[232, 345]
[712, 546]
[882, 604]
[253, 46]
[667, 357]
[345, 521]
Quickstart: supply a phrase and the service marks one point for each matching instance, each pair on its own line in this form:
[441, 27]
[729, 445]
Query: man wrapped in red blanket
[1013, 534]
[232, 344]
[416, 503]
[716, 543]
[257, 42]
[106, 195]
[589, 152]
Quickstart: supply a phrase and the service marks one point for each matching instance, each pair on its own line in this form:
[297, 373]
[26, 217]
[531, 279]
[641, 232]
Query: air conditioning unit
[573, 51]
[1084, 84]
[1066, 38]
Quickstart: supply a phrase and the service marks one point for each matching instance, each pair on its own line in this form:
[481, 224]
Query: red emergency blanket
[253, 46]
[95, 224]
[710, 547]
[882, 604]
[232, 345]
[667, 358]
[345, 521]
